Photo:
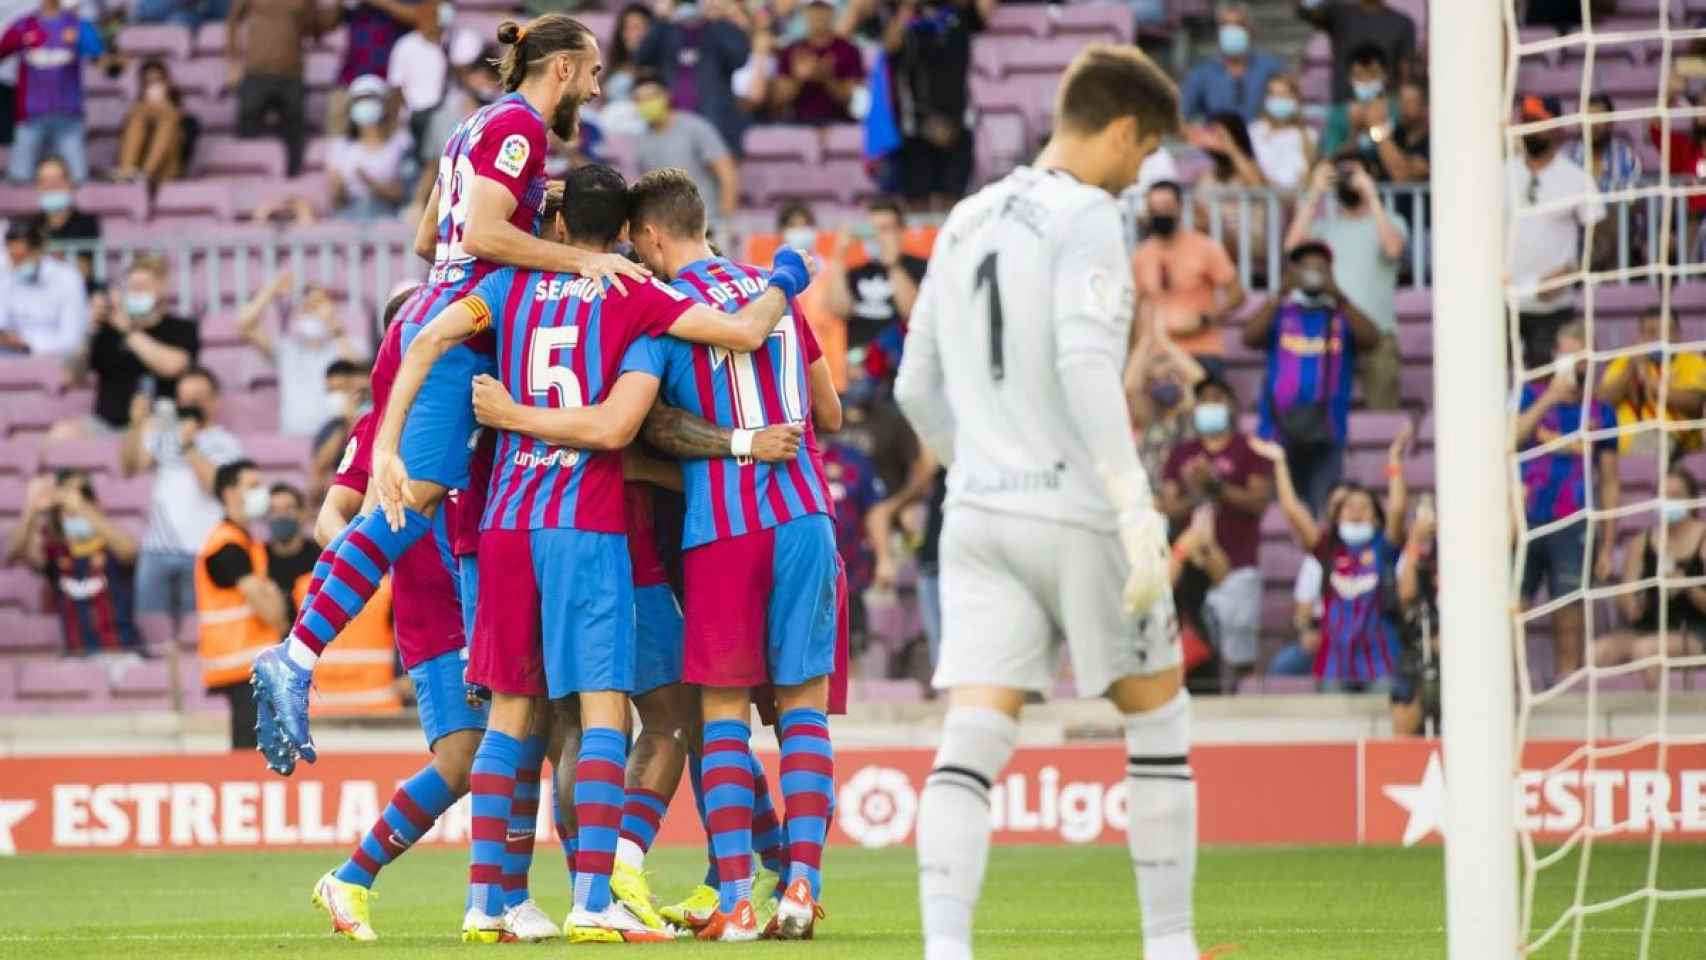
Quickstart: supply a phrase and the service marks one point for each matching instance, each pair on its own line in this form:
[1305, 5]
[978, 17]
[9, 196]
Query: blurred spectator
[1297, 659]
[1614, 163]
[291, 553]
[928, 44]
[679, 138]
[1311, 336]
[1367, 244]
[816, 77]
[1219, 470]
[1562, 484]
[189, 13]
[1227, 192]
[754, 84]
[300, 350]
[53, 44]
[1545, 245]
[1185, 280]
[60, 220]
[1237, 80]
[1416, 684]
[854, 489]
[364, 169]
[419, 69]
[239, 609]
[374, 27]
[347, 398]
[620, 66]
[1371, 113]
[797, 226]
[181, 444]
[1354, 544]
[1160, 384]
[137, 347]
[1285, 145]
[272, 96]
[44, 308]
[87, 561]
[1682, 536]
[1353, 24]
[877, 295]
[152, 144]
[925, 483]
[1632, 386]
[694, 53]
[1565, 15]
[473, 83]
[1402, 149]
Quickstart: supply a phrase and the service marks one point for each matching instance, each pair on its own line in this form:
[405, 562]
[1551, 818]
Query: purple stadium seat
[1688, 297]
[1000, 143]
[217, 114]
[271, 451]
[1318, 50]
[17, 201]
[903, 690]
[1022, 20]
[238, 367]
[234, 155]
[149, 680]
[47, 409]
[787, 144]
[20, 591]
[249, 194]
[1415, 343]
[252, 410]
[1627, 81]
[1316, 83]
[986, 56]
[1102, 21]
[208, 76]
[192, 199]
[210, 39]
[128, 201]
[125, 496]
[1040, 56]
[164, 40]
[844, 141]
[322, 68]
[156, 632]
[1625, 297]
[17, 458]
[96, 83]
[104, 116]
[1377, 428]
[1542, 80]
[72, 679]
[219, 328]
[602, 23]
[484, 23]
[31, 373]
[29, 632]
[1415, 303]
[96, 456]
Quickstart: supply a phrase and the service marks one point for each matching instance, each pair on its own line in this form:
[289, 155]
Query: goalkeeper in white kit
[1012, 376]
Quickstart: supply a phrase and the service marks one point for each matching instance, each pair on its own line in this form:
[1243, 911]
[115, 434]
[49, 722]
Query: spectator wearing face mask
[137, 349]
[44, 309]
[1220, 471]
[1355, 544]
[679, 138]
[52, 44]
[1236, 81]
[878, 295]
[240, 610]
[156, 131]
[1545, 246]
[1367, 244]
[291, 553]
[1562, 485]
[1285, 145]
[181, 445]
[59, 219]
[1632, 386]
[1297, 659]
[364, 169]
[374, 27]
[1232, 191]
[1682, 539]
[694, 55]
[1371, 113]
[419, 68]
[797, 226]
[1160, 385]
[1184, 279]
[1311, 336]
[1353, 24]
[1611, 158]
[87, 561]
[300, 350]
[346, 399]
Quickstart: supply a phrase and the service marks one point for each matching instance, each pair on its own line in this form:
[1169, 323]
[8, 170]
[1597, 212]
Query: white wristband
[740, 442]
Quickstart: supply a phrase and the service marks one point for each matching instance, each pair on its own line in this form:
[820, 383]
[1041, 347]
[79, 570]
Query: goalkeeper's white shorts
[1013, 585]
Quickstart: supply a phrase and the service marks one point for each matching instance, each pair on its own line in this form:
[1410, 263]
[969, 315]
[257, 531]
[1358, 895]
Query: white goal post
[1471, 388]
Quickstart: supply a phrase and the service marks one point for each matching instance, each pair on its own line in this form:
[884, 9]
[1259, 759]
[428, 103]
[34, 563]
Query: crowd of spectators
[1281, 181]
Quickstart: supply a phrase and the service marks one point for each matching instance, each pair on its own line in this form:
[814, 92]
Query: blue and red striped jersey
[561, 343]
[729, 497]
[503, 141]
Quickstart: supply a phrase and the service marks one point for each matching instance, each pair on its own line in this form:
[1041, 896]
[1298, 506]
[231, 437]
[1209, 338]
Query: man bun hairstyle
[595, 204]
[1105, 83]
[529, 45]
[668, 199]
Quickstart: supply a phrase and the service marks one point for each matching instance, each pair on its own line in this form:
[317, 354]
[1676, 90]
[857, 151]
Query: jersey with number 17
[561, 343]
[728, 497]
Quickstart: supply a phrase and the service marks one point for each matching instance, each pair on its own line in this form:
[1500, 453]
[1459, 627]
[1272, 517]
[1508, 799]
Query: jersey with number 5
[560, 343]
[502, 141]
[730, 496]
[1026, 271]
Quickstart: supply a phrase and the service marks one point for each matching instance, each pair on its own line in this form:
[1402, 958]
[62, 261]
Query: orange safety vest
[231, 633]
[356, 673]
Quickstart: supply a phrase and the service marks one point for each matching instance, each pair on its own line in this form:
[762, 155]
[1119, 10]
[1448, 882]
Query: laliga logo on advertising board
[877, 805]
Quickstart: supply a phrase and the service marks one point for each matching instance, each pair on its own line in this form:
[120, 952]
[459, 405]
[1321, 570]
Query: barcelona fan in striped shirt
[554, 515]
[484, 213]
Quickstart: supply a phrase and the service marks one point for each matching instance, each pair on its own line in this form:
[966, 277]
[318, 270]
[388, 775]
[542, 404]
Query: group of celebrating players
[537, 399]
[508, 393]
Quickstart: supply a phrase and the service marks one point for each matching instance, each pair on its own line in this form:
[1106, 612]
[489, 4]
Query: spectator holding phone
[181, 445]
[1415, 692]
[44, 304]
[136, 343]
[87, 561]
[301, 349]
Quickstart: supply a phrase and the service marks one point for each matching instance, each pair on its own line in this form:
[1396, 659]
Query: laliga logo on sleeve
[876, 806]
[512, 155]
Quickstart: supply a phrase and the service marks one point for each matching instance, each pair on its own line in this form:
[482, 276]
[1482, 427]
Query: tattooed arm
[680, 434]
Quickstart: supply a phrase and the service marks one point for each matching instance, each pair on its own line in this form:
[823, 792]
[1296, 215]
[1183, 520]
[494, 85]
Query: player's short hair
[887, 205]
[1106, 82]
[595, 205]
[669, 200]
[529, 45]
[395, 304]
[1370, 55]
[290, 491]
[227, 475]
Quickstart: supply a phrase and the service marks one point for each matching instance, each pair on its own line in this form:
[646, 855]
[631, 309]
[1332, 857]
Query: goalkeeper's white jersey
[1029, 271]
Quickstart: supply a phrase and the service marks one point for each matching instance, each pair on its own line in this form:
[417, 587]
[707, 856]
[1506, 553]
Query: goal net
[1603, 196]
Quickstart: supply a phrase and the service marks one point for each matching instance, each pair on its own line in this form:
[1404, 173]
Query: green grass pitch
[1077, 902]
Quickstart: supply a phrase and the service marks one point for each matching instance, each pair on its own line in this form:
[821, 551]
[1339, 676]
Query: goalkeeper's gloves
[1143, 537]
